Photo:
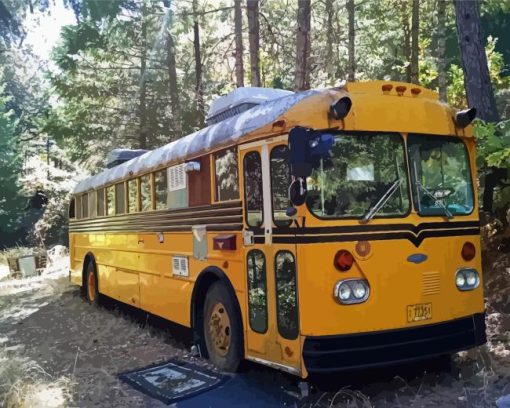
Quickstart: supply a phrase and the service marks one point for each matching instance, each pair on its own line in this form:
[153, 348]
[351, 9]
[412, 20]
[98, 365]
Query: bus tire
[222, 328]
[91, 284]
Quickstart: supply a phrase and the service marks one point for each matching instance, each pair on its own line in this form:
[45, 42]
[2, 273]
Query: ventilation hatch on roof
[240, 100]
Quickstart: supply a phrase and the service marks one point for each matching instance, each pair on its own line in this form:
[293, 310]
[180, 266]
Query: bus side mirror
[299, 148]
[465, 117]
[306, 147]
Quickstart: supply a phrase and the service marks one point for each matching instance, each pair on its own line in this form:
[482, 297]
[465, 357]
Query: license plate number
[418, 312]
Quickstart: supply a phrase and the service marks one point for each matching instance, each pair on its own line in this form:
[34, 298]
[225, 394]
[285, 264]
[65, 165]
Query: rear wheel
[222, 328]
[91, 290]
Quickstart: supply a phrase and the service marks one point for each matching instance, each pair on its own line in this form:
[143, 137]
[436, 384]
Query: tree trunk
[351, 72]
[173, 87]
[302, 81]
[238, 22]
[330, 38]
[441, 50]
[172, 73]
[415, 35]
[252, 7]
[198, 67]
[474, 60]
[407, 38]
[142, 108]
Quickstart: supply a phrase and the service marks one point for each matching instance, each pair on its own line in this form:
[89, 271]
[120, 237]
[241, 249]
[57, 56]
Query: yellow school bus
[313, 232]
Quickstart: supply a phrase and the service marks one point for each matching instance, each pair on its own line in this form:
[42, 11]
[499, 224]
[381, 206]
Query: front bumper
[325, 354]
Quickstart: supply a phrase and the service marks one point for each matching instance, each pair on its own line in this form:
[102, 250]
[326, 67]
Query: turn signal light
[343, 260]
[468, 251]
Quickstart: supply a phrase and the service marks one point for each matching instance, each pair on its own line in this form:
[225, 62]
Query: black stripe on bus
[382, 236]
[414, 229]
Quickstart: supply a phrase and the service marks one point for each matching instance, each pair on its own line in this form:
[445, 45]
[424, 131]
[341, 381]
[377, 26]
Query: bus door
[272, 332]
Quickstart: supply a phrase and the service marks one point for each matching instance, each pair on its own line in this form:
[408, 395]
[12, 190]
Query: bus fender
[204, 280]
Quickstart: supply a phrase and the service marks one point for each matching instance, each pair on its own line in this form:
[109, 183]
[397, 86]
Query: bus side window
[92, 204]
[161, 188]
[85, 205]
[100, 202]
[78, 207]
[253, 189]
[110, 200]
[280, 182]
[132, 196]
[120, 204]
[257, 290]
[227, 179]
[72, 209]
[146, 192]
[286, 295]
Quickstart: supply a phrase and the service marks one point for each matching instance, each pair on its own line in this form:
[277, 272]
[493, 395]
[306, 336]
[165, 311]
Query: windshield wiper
[382, 202]
[447, 212]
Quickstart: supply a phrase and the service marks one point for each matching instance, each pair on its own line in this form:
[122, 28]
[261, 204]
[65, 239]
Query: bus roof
[226, 132]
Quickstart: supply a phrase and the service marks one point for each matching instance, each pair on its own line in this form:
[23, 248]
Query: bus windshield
[440, 175]
[361, 172]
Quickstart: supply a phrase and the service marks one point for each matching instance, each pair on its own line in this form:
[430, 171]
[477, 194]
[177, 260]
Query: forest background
[140, 73]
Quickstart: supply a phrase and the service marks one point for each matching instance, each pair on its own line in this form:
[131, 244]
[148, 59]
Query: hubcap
[219, 329]
[92, 286]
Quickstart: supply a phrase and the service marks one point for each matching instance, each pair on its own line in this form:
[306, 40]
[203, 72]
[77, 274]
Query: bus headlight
[350, 291]
[467, 279]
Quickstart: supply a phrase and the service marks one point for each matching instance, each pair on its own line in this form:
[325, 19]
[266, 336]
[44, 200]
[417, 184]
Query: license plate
[418, 312]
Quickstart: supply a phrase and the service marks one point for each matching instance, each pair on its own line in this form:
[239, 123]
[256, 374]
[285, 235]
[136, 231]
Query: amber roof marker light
[386, 88]
[415, 91]
[400, 90]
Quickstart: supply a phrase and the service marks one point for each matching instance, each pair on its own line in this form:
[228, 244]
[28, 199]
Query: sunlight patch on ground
[26, 384]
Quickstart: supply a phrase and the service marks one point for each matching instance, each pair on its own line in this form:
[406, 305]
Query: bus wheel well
[88, 259]
[204, 281]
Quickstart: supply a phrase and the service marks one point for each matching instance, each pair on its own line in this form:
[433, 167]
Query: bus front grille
[430, 283]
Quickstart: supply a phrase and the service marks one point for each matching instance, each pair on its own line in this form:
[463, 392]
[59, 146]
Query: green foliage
[10, 163]
[456, 91]
[493, 143]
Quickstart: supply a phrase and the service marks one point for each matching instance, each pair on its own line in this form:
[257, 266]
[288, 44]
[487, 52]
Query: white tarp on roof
[227, 131]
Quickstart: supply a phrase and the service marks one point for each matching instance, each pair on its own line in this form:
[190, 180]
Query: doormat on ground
[173, 381]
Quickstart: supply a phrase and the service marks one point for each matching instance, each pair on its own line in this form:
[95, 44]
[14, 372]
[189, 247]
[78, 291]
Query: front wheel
[91, 292]
[222, 328]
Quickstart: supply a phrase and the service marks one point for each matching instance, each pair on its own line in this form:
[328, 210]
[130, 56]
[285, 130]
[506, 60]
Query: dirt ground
[56, 350]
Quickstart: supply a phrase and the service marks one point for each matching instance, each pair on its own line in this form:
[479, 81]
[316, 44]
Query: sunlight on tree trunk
[404, 7]
[352, 56]
[441, 50]
[142, 133]
[198, 67]
[303, 46]
[173, 87]
[474, 61]
[252, 8]
[330, 38]
[415, 49]
[238, 21]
